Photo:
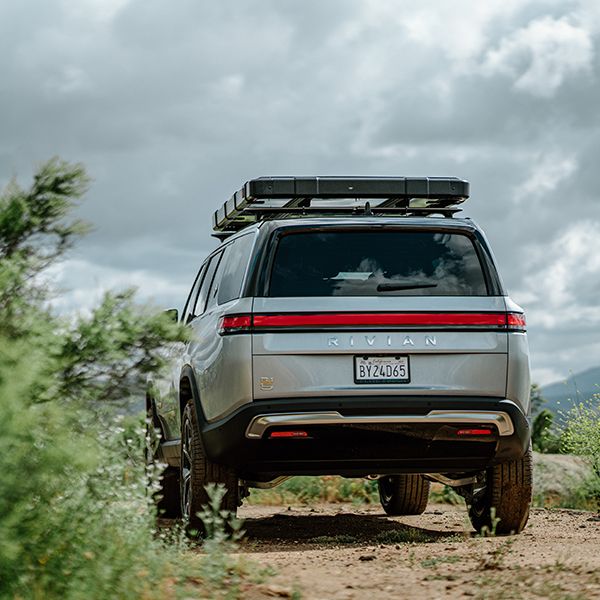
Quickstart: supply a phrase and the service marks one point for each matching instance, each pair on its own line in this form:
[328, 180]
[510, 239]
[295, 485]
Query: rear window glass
[376, 263]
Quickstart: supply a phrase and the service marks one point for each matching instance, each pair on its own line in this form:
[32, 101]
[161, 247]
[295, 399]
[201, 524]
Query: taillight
[235, 324]
[470, 319]
[231, 324]
[516, 321]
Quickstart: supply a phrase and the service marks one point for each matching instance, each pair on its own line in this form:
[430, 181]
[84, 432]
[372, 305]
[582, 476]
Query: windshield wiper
[394, 287]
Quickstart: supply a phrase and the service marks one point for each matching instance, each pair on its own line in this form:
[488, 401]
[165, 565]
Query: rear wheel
[502, 504]
[405, 494]
[197, 471]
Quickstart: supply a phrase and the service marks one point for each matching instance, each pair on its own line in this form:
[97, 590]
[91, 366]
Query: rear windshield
[376, 263]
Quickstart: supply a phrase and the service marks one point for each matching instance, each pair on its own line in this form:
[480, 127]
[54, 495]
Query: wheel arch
[188, 390]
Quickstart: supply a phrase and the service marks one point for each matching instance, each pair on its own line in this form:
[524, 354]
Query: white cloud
[547, 172]
[542, 56]
[70, 79]
[99, 10]
[562, 278]
[82, 284]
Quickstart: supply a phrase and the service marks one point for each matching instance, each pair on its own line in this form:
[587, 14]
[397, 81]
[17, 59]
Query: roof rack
[288, 197]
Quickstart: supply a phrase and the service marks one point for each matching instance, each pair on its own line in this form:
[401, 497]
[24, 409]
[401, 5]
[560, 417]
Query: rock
[555, 475]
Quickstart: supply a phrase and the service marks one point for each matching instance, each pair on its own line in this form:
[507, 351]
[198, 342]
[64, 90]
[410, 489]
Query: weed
[218, 570]
[438, 560]
[490, 531]
[495, 558]
[405, 536]
[446, 495]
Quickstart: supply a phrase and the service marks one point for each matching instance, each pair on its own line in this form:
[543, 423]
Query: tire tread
[410, 494]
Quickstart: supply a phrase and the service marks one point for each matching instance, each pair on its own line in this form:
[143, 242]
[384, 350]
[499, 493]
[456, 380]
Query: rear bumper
[367, 435]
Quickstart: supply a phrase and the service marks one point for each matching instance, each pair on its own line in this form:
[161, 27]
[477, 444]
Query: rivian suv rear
[353, 327]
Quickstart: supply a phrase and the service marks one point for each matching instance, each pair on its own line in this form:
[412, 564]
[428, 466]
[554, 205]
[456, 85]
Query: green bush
[545, 437]
[581, 436]
[77, 519]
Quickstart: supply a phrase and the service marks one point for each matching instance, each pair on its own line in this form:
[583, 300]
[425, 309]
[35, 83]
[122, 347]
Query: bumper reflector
[288, 434]
[474, 432]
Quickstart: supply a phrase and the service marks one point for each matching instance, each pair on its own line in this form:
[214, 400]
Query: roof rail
[288, 197]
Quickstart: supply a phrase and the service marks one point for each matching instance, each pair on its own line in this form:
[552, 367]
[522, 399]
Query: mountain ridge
[577, 387]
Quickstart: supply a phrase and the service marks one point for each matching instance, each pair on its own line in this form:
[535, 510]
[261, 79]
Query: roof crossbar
[285, 197]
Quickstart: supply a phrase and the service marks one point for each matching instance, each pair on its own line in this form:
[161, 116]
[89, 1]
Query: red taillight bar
[235, 324]
[380, 319]
[516, 321]
[246, 323]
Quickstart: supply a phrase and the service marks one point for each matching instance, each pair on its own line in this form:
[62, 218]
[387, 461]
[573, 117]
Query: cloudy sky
[172, 105]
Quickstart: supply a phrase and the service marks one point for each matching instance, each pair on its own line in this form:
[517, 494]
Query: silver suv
[353, 327]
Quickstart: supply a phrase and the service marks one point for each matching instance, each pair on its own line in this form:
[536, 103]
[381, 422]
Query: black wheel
[504, 494]
[167, 499]
[197, 471]
[405, 494]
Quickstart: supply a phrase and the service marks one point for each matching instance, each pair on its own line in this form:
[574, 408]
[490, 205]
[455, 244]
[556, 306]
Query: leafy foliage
[545, 437]
[536, 398]
[33, 222]
[108, 356]
[35, 231]
[77, 518]
[582, 433]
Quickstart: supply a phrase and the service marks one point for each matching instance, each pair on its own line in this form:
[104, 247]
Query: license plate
[381, 369]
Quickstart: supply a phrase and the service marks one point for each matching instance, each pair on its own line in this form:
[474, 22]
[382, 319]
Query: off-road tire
[201, 472]
[508, 492]
[405, 494]
[167, 497]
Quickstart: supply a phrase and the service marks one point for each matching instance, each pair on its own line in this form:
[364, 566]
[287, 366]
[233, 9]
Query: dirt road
[346, 551]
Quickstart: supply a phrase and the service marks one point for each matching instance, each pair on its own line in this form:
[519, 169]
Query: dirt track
[347, 551]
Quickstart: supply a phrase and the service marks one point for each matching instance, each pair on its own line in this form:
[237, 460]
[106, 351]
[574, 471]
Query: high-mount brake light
[235, 324]
[516, 321]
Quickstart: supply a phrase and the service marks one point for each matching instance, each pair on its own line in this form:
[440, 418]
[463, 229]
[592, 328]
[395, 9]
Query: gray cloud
[173, 105]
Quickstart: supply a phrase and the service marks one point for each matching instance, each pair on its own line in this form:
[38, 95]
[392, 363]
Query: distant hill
[576, 388]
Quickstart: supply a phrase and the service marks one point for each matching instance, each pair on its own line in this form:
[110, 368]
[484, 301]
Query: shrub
[544, 435]
[582, 436]
[76, 516]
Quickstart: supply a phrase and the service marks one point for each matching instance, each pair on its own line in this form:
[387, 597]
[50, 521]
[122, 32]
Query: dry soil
[347, 551]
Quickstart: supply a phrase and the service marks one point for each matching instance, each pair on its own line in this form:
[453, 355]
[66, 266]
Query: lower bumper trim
[260, 423]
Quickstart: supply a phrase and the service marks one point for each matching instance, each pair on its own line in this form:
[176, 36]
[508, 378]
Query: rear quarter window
[376, 263]
[236, 262]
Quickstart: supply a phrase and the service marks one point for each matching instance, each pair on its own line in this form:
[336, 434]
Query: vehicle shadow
[283, 531]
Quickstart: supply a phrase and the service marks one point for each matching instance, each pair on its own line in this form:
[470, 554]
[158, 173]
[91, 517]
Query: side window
[216, 282]
[234, 269]
[200, 306]
[188, 308]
